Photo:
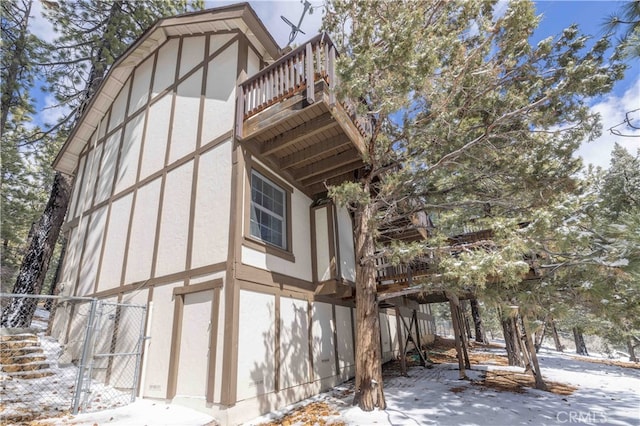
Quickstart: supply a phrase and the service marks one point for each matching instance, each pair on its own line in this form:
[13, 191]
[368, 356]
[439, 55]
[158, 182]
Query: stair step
[19, 352]
[20, 337]
[22, 359]
[14, 368]
[25, 375]
[16, 344]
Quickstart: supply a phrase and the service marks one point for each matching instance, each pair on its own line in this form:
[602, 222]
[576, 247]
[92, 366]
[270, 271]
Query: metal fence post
[85, 355]
[141, 340]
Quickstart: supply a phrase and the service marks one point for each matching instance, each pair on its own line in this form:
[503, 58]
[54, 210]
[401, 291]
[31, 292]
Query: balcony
[288, 116]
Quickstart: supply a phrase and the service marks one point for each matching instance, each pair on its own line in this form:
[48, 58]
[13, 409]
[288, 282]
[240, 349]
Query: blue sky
[556, 15]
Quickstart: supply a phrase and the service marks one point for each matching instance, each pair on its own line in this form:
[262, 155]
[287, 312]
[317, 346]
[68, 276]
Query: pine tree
[92, 35]
[22, 177]
[471, 124]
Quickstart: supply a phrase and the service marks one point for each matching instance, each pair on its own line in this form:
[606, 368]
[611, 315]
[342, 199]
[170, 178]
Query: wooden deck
[289, 117]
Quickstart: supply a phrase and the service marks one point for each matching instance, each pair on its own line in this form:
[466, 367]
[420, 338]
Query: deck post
[309, 76]
[332, 76]
[240, 108]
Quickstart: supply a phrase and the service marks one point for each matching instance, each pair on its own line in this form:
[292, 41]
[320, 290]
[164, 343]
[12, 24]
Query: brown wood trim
[176, 337]
[272, 279]
[213, 345]
[195, 288]
[234, 252]
[163, 280]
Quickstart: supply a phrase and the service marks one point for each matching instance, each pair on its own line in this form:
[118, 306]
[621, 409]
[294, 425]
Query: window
[268, 211]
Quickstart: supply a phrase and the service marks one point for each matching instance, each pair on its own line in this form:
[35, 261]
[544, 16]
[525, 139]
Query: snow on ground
[606, 394]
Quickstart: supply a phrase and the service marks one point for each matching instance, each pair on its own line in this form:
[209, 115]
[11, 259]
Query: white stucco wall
[155, 146]
[165, 72]
[115, 240]
[322, 335]
[345, 241]
[294, 342]
[91, 173]
[156, 360]
[256, 338]
[130, 154]
[211, 220]
[76, 190]
[219, 102]
[195, 345]
[92, 248]
[140, 85]
[192, 54]
[322, 245]
[185, 117]
[119, 107]
[174, 225]
[345, 348]
[143, 232]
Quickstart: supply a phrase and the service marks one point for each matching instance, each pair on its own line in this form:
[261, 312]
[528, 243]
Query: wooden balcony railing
[388, 273]
[293, 74]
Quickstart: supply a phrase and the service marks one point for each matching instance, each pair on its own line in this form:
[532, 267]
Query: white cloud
[612, 112]
[39, 25]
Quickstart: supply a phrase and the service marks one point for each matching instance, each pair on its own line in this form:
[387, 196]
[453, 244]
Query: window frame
[256, 242]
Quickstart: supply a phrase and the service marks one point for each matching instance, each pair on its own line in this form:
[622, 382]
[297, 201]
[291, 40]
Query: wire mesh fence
[68, 355]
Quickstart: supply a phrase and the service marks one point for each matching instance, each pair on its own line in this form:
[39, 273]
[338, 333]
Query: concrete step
[33, 366]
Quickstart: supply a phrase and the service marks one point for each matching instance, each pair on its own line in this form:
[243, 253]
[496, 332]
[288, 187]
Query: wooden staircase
[22, 357]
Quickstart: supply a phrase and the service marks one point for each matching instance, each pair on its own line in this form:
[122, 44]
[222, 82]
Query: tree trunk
[465, 318]
[539, 336]
[477, 320]
[578, 337]
[511, 340]
[556, 336]
[56, 276]
[632, 350]
[535, 366]
[369, 391]
[19, 312]
[457, 333]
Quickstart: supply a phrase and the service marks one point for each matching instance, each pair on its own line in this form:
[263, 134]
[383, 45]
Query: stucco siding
[143, 233]
[294, 342]
[211, 220]
[256, 337]
[174, 225]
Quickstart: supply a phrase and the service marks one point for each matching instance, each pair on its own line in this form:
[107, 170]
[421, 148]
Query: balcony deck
[289, 117]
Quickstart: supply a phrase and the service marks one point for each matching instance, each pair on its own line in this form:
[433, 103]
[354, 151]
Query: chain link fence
[63, 355]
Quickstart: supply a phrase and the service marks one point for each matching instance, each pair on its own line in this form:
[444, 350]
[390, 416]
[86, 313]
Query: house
[200, 168]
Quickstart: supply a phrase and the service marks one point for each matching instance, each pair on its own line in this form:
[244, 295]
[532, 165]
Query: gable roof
[234, 17]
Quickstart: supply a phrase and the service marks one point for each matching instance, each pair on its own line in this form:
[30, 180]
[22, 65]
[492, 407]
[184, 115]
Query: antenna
[295, 29]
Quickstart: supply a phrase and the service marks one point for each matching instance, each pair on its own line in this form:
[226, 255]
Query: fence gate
[109, 372]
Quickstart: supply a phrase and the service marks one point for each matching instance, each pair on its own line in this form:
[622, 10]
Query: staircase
[21, 357]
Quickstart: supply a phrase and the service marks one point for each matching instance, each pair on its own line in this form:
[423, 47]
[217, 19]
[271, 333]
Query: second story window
[268, 211]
